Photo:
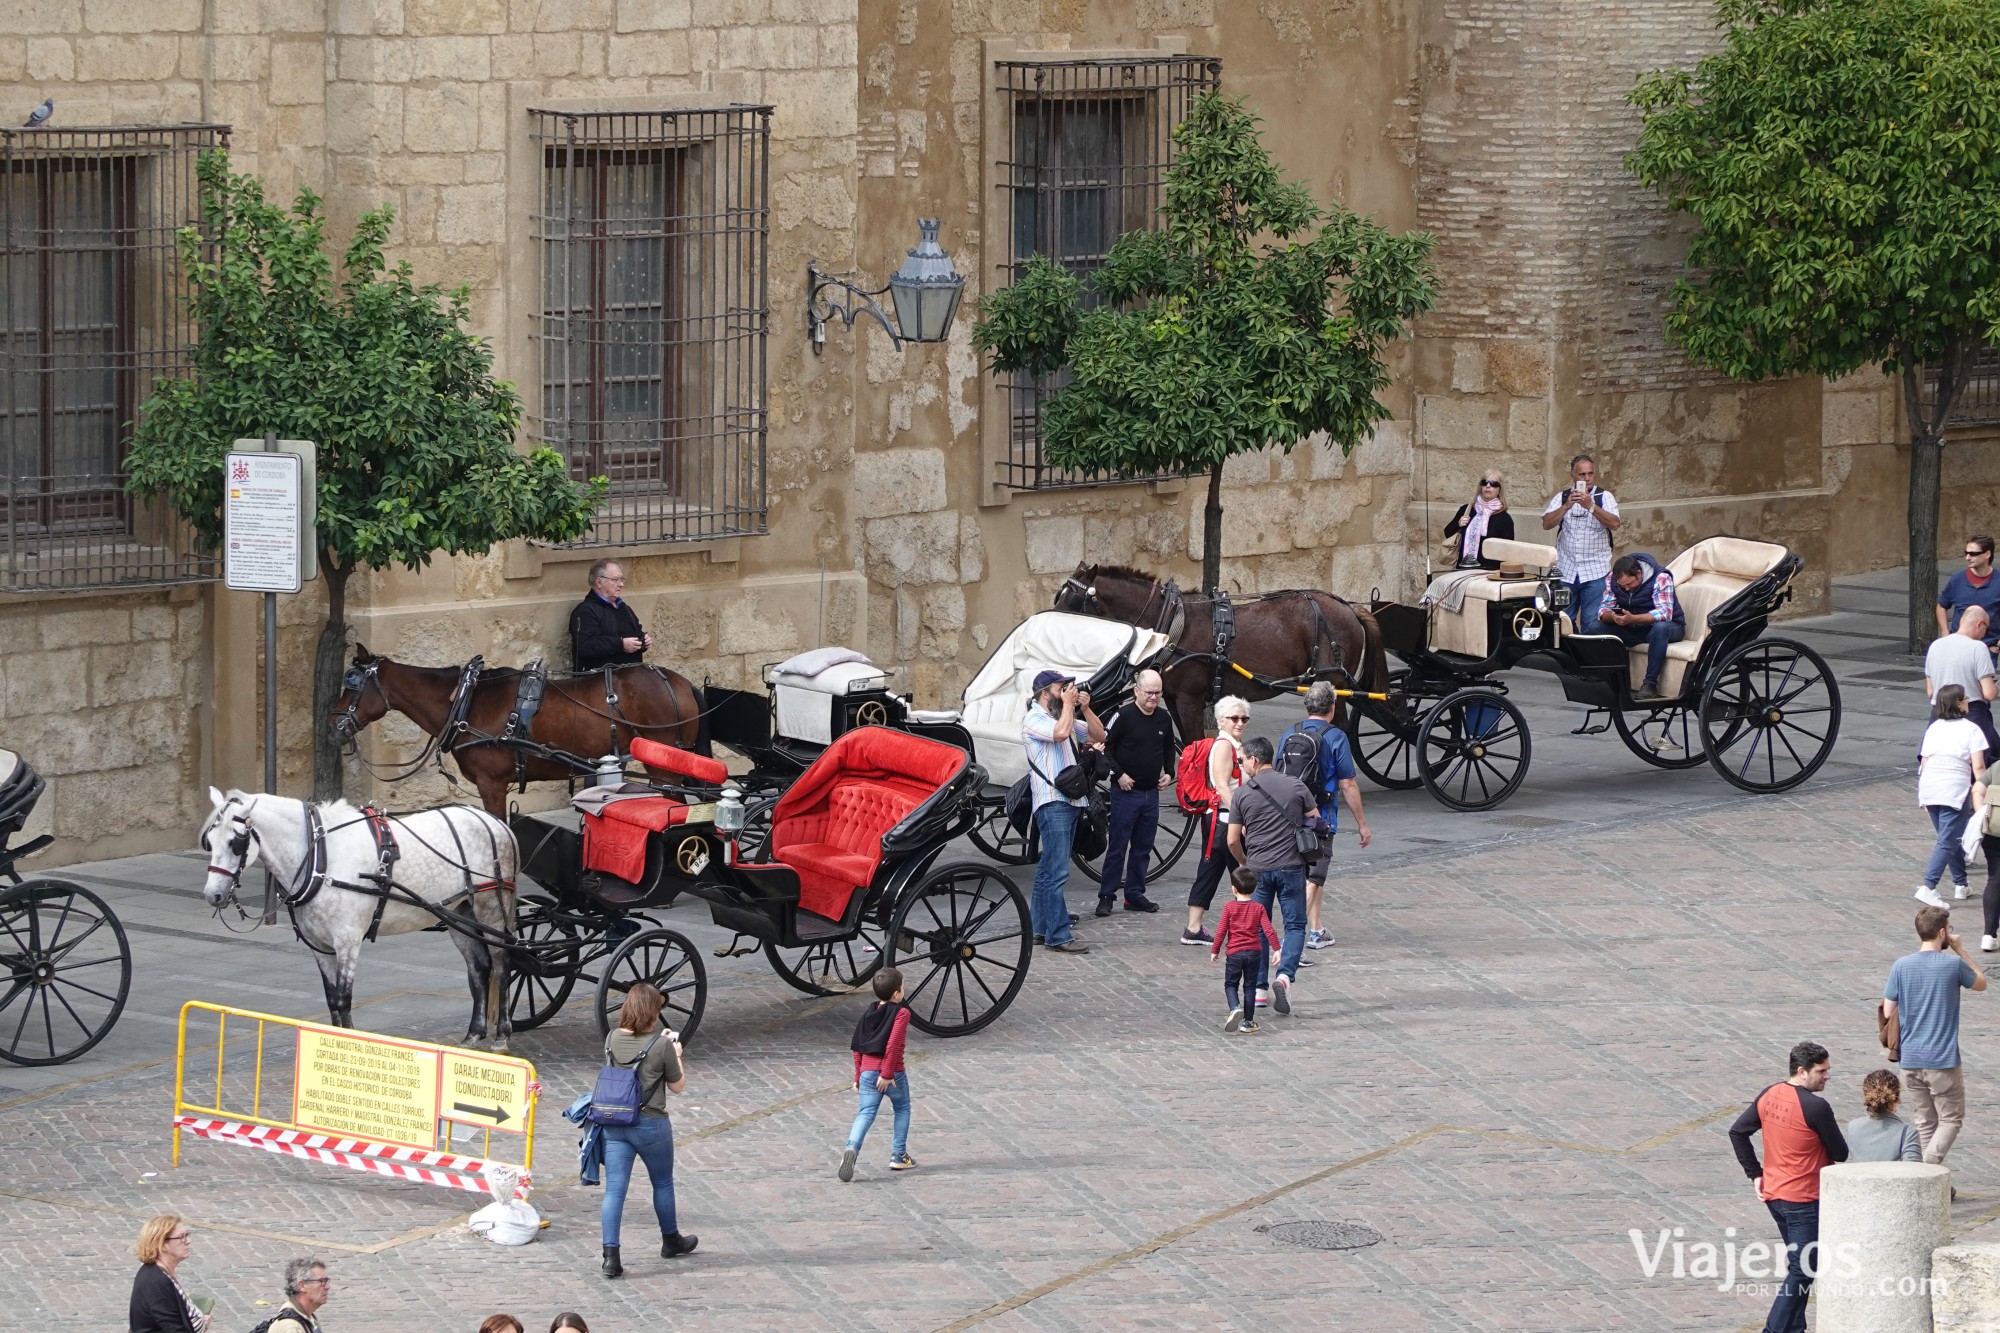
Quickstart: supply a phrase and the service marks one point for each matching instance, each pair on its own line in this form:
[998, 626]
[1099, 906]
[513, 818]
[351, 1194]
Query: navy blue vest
[1640, 599]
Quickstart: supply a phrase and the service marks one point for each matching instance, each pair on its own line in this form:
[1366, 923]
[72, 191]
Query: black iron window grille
[92, 311]
[1088, 143]
[653, 315]
[1978, 400]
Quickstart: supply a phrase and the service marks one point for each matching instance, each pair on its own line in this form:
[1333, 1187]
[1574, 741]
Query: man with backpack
[307, 1288]
[1315, 751]
[1584, 517]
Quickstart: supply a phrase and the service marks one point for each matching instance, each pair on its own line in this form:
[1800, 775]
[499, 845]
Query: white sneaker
[1281, 994]
[1929, 897]
[1987, 944]
[1958, 892]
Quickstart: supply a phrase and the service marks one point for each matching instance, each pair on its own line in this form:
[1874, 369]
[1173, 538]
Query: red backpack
[1191, 778]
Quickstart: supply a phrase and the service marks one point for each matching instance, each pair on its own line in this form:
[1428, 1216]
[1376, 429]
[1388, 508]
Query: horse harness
[1171, 620]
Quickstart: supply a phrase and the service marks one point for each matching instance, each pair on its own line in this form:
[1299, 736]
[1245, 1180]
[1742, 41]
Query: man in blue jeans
[1048, 736]
[1267, 814]
[1800, 1138]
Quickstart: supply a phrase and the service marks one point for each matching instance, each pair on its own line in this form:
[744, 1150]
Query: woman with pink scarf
[1485, 515]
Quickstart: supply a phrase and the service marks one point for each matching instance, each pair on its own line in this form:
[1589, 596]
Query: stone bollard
[1965, 1288]
[1878, 1223]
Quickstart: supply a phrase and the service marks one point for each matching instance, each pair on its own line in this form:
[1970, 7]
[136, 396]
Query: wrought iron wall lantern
[924, 294]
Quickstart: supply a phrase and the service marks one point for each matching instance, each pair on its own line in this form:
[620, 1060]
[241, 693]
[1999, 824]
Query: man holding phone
[1584, 517]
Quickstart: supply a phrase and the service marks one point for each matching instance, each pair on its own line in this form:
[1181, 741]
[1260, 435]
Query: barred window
[653, 314]
[92, 312]
[1088, 144]
[1978, 400]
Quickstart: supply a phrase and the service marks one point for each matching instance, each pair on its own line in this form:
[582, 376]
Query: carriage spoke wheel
[1770, 715]
[65, 967]
[997, 838]
[1668, 737]
[1475, 750]
[672, 965]
[963, 940]
[544, 966]
[1383, 739]
[753, 843]
[830, 967]
[1170, 839]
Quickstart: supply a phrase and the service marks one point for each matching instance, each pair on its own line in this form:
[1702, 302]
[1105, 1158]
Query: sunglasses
[1494, 484]
[1974, 555]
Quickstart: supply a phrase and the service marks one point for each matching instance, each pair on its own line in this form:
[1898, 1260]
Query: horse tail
[1375, 653]
[703, 740]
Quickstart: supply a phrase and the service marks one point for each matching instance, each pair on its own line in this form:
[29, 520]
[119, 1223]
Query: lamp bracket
[828, 297]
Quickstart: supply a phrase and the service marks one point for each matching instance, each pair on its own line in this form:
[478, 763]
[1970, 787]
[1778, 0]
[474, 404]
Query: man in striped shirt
[1637, 604]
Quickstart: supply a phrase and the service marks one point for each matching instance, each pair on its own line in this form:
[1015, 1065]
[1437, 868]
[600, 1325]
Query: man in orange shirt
[1800, 1136]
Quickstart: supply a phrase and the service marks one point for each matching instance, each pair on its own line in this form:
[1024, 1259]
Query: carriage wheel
[997, 838]
[66, 966]
[1176, 831]
[544, 966]
[672, 964]
[1383, 739]
[830, 967]
[1770, 714]
[963, 940]
[1475, 750]
[1666, 737]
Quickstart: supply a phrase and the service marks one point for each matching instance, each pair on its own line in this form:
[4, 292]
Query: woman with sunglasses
[159, 1303]
[1484, 515]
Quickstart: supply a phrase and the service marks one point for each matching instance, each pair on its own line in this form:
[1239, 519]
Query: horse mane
[1126, 572]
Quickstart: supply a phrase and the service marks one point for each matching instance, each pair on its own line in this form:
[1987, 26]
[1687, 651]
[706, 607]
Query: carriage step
[1588, 730]
[736, 948]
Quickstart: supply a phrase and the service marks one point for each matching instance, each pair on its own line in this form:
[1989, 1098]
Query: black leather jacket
[595, 630]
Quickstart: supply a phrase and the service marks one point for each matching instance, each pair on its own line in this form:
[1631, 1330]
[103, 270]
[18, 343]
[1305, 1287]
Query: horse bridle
[1086, 595]
[239, 847]
[347, 726]
[312, 866]
[358, 677]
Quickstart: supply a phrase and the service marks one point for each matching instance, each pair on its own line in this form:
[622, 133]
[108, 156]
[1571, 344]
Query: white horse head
[231, 843]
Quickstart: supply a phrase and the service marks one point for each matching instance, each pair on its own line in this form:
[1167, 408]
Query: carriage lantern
[924, 292]
[729, 810]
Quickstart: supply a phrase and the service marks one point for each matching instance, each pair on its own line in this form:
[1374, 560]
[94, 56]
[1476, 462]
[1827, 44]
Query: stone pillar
[1878, 1223]
[1965, 1288]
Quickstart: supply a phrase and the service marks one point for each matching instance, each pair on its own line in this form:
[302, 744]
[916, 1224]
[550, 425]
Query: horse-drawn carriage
[1763, 712]
[64, 960]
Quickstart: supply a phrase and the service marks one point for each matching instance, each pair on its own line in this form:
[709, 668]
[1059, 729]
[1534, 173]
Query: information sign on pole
[263, 522]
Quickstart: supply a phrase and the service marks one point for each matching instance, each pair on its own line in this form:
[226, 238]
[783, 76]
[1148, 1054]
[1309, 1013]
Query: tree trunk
[1211, 533]
[1926, 469]
[327, 665]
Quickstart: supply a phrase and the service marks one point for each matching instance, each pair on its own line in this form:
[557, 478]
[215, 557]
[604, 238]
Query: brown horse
[577, 721]
[1290, 636]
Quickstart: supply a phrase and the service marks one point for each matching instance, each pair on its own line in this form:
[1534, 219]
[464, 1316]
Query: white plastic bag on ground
[508, 1220]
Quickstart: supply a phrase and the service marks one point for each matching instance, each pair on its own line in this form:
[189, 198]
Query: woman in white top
[1232, 717]
[1952, 767]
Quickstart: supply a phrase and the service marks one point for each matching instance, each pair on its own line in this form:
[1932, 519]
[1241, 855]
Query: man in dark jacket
[1800, 1136]
[1139, 739]
[603, 629]
[1639, 606]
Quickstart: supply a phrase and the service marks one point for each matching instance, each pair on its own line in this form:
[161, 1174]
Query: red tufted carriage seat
[828, 827]
[614, 843]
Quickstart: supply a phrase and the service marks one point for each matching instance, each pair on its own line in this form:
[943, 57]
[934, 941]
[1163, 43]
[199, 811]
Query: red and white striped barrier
[384, 1159]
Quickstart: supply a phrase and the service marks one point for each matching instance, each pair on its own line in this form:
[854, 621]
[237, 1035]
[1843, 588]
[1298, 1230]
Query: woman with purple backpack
[655, 1057]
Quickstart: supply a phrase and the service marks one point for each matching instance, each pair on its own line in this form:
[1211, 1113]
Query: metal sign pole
[270, 711]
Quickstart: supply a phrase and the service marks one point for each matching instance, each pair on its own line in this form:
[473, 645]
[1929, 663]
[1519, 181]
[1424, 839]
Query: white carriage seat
[997, 698]
[9, 763]
[1465, 630]
[804, 686]
[1706, 575]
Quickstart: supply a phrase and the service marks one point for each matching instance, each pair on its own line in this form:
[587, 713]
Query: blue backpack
[616, 1098]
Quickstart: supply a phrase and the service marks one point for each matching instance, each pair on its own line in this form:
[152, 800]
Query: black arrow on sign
[497, 1114]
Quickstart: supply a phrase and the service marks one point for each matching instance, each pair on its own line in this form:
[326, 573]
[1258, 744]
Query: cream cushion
[1706, 575]
[1464, 630]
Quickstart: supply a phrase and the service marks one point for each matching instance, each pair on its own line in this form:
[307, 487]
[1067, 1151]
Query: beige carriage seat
[1706, 575]
[803, 689]
[1465, 630]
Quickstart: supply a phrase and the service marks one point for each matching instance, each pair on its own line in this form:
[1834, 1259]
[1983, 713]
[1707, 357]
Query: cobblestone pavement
[1527, 1043]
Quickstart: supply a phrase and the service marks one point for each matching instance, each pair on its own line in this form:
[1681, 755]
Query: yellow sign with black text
[490, 1091]
[371, 1087]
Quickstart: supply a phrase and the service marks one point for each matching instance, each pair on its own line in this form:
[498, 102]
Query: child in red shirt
[879, 1072]
[1241, 933]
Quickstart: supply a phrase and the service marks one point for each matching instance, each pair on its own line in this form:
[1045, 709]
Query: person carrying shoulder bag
[640, 1042]
[1275, 829]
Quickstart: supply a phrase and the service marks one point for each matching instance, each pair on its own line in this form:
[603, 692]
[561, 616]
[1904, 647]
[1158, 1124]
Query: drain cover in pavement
[1324, 1235]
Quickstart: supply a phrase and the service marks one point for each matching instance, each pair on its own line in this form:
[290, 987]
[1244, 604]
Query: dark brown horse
[575, 724]
[1294, 636]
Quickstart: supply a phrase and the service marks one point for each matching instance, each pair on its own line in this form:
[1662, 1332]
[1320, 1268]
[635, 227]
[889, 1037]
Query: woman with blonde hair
[1225, 769]
[160, 1304]
[656, 1056]
[1484, 515]
[1881, 1135]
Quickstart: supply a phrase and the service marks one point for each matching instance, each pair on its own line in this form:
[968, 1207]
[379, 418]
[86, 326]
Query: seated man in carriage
[604, 630]
[1638, 605]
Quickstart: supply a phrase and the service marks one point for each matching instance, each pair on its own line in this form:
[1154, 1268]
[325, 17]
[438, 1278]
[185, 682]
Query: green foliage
[1842, 158]
[416, 439]
[1253, 317]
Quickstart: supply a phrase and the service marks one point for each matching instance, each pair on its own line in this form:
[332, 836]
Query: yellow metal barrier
[356, 1099]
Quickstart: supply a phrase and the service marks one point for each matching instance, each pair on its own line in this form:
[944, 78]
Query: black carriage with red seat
[845, 879]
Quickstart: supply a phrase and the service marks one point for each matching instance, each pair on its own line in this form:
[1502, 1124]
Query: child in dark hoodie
[879, 1072]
